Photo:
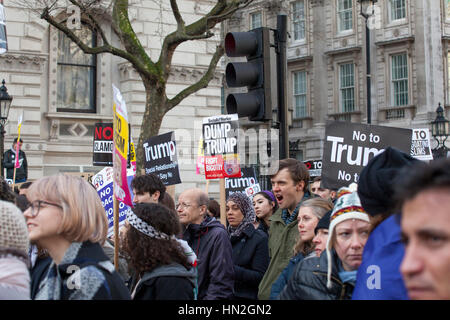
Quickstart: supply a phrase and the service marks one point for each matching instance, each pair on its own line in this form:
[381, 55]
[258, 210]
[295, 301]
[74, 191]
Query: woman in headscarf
[250, 246]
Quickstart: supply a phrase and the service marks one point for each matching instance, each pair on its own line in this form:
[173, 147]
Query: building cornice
[395, 41]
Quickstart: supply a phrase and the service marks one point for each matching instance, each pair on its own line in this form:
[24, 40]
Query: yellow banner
[120, 133]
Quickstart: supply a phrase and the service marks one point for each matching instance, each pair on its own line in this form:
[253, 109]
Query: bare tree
[154, 74]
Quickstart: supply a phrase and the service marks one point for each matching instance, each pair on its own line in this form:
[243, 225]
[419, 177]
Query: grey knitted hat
[13, 231]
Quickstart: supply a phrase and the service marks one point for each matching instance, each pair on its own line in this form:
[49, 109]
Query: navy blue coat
[250, 258]
[379, 275]
[211, 243]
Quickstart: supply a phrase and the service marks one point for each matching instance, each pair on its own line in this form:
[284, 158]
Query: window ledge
[76, 115]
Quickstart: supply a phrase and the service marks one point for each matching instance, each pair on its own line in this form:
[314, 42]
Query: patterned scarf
[289, 218]
[78, 283]
[246, 207]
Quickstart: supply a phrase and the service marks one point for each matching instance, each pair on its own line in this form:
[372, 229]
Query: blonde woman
[66, 218]
[309, 215]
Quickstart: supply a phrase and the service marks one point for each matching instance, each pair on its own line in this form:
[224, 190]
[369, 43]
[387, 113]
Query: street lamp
[364, 6]
[440, 131]
[5, 104]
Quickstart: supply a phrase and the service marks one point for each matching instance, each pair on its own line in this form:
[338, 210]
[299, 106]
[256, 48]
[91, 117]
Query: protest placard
[160, 154]
[349, 146]
[239, 184]
[314, 167]
[220, 144]
[121, 148]
[103, 183]
[421, 145]
[103, 144]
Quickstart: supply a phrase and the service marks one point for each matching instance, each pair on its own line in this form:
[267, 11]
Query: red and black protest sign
[314, 167]
[103, 144]
[220, 142]
[349, 146]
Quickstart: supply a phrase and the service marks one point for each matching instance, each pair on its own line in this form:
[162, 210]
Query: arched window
[76, 76]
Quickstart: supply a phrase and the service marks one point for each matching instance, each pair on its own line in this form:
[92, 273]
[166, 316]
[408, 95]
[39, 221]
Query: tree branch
[176, 13]
[197, 30]
[92, 20]
[202, 83]
[94, 50]
[131, 42]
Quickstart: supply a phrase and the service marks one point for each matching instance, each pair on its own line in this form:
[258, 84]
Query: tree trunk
[155, 109]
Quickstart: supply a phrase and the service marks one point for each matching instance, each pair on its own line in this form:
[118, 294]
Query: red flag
[17, 164]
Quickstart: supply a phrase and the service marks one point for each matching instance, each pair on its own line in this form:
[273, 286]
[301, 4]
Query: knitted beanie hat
[376, 180]
[324, 222]
[245, 205]
[13, 231]
[348, 206]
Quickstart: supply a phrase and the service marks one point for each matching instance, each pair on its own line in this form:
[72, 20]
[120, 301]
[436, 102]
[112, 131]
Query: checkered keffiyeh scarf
[246, 207]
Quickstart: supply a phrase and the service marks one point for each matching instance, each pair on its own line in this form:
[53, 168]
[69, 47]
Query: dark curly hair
[146, 253]
[149, 183]
[6, 193]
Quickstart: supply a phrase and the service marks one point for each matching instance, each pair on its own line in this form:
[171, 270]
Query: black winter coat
[309, 281]
[170, 282]
[211, 243]
[250, 258]
[9, 159]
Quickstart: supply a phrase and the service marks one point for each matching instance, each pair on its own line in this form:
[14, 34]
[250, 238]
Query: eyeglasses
[182, 206]
[35, 206]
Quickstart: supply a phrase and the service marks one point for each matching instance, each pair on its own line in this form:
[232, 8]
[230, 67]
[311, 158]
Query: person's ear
[300, 186]
[155, 195]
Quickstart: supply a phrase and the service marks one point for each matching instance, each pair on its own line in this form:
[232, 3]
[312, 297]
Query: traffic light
[253, 74]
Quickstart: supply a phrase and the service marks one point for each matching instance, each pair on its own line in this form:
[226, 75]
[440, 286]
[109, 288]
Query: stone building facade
[59, 139]
[326, 72]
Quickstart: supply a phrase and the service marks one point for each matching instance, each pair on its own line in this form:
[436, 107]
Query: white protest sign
[420, 144]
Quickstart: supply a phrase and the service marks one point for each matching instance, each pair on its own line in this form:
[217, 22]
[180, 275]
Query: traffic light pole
[281, 37]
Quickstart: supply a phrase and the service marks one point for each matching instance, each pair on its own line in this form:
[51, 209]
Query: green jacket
[282, 239]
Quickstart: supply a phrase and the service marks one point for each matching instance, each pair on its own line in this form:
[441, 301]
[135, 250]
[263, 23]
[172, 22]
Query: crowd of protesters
[387, 237]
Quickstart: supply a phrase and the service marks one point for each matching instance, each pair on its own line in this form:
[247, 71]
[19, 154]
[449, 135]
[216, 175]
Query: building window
[345, 15]
[299, 20]
[448, 77]
[347, 87]
[300, 107]
[76, 73]
[399, 75]
[447, 9]
[256, 20]
[397, 9]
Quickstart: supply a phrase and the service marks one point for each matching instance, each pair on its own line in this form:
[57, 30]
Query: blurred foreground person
[66, 217]
[14, 275]
[424, 196]
[379, 276]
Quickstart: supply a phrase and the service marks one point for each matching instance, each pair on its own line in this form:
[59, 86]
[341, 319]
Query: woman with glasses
[66, 218]
[309, 215]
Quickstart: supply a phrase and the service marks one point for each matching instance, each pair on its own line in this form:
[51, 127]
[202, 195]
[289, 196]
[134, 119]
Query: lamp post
[5, 104]
[364, 5]
[440, 131]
